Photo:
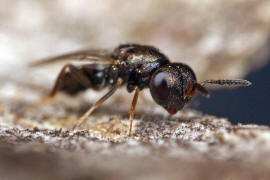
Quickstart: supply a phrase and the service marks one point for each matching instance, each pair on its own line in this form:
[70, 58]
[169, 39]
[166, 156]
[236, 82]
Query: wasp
[172, 85]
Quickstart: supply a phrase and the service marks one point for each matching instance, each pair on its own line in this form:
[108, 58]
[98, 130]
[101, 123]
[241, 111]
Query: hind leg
[70, 79]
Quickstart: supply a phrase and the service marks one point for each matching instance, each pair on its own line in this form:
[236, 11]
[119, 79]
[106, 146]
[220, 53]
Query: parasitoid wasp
[172, 85]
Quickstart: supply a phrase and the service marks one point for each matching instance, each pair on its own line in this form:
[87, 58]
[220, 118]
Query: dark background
[241, 105]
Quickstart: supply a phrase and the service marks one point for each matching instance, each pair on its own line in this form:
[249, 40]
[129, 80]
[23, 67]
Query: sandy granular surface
[218, 39]
[189, 145]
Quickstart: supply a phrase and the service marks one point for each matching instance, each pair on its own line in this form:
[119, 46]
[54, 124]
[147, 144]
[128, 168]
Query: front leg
[132, 109]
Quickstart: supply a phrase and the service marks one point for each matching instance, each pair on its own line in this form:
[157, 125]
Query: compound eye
[160, 85]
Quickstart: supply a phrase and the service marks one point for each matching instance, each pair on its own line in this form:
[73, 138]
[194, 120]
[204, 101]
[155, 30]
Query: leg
[70, 76]
[132, 109]
[99, 102]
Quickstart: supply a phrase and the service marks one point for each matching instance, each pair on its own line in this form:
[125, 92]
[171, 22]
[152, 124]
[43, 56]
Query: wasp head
[172, 86]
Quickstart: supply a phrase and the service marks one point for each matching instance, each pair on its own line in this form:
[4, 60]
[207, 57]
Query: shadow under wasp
[172, 85]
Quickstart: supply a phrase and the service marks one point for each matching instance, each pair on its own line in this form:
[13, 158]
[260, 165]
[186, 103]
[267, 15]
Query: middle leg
[98, 103]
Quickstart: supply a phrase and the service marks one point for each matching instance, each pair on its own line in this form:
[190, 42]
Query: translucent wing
[94, 56]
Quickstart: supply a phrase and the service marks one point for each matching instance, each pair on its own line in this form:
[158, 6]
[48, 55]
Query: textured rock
[189, 145]
[217, 38]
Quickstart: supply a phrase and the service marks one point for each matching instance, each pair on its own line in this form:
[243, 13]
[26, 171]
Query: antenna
[228, 82]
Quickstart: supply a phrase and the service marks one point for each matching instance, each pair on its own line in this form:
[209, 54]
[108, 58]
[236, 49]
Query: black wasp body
[172, 85]
[134, 64]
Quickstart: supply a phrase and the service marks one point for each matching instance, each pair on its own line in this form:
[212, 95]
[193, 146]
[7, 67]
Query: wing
[95, 56]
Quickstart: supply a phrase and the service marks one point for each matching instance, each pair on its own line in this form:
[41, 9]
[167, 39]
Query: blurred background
[218, 39]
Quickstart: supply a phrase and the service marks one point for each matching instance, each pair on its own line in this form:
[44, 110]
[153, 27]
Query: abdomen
[90, 76]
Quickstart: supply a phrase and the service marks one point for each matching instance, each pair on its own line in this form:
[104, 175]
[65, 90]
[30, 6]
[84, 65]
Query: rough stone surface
[189, 145]
[218, 39]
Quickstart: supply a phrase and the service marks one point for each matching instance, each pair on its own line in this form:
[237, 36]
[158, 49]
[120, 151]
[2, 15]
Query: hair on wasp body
[172, 85]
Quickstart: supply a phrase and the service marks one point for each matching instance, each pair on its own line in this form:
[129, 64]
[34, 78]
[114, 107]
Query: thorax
[137, 63]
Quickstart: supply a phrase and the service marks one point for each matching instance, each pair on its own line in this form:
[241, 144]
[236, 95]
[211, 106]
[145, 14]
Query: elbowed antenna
[228, 82]
[202, 90]
[195, 87]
